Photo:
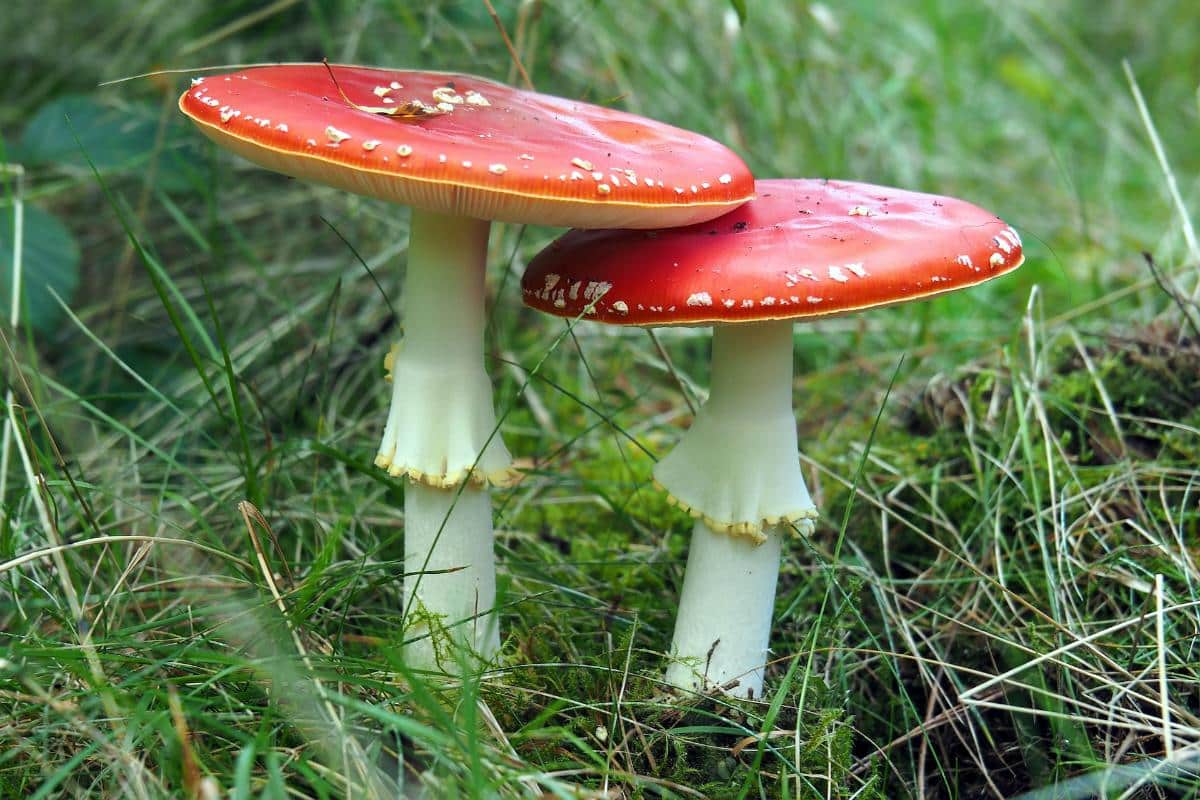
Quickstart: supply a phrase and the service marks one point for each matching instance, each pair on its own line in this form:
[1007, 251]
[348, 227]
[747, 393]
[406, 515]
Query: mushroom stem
[443, 299]
[738, 470]
[441, 433]
[450, 576]
[738, 466]
[724, 623]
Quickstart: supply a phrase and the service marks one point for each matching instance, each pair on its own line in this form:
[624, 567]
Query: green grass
[988, 620]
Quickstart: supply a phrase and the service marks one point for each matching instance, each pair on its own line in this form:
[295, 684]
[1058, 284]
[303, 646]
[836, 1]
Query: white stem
[450, 576]
[724, 624]
[441, 433]
[443, 297]
[738, 470]
[441, 429]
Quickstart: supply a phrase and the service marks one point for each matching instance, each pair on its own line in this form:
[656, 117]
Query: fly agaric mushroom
[803, 249]
[461, 151]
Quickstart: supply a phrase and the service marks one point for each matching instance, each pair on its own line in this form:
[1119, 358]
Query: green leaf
[50, 261]
[740, 7]
[114, 137]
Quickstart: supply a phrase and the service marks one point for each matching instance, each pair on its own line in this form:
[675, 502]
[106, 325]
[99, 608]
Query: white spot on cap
[729, 302]
[700, 299]
[997, 260]
[965, 260]
[596, 289]
[603, 188]
[466, 164]
[442, 158]
[395, 85]
[444, 94]
[550, 281]
[813, 300]
[335, 136]
[525, 157]
[582, 164]
[404, 151]
[859, 211]
[227, 114]
[497, 169]
[476, 99]
[371, 144]
[381, 91]
[747, 304]
[1003, 244]
[836, 273]
[621, 307]
[576, 175]
[726, 178]
[768, 301]
[197, 81]
[311, 142]
[282, 127]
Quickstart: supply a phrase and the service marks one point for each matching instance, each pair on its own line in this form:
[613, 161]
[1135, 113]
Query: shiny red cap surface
[472, 147]
[803, 248]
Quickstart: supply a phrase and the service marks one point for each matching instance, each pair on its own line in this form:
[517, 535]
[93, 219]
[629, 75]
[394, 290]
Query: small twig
[662, 353]
[1169, 289]
[512, 52]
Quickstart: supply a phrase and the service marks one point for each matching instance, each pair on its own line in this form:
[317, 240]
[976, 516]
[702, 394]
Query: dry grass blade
[1160, 153]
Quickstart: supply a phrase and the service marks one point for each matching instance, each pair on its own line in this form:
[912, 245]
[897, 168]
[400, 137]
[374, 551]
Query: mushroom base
[450, 580]
[737, 469]
[723, 628]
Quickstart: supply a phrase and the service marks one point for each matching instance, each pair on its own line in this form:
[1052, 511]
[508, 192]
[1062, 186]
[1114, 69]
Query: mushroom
[803, 249]
[461, 151]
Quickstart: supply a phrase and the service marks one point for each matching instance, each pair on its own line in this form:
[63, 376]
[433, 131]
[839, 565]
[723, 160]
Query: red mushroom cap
[469, 146]
[802, 248]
